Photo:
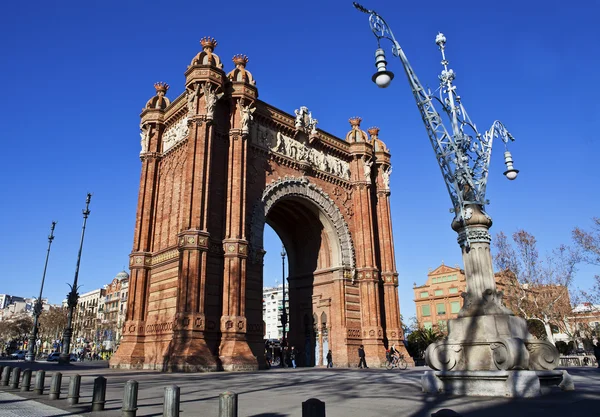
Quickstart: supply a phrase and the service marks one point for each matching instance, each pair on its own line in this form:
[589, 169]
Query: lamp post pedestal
[487, 342]
[64, 358]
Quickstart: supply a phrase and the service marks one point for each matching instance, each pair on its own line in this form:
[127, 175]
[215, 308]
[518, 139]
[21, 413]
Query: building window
[424, 294]
[453, 290]
[427, 325]
[439, 292]
[445, 279]
[442, 325]
[454, 307]
[425, 311]
[440, 308]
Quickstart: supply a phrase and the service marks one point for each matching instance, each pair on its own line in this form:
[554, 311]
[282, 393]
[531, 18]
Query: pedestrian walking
[293, 356]
[361, 354]
[329, 360]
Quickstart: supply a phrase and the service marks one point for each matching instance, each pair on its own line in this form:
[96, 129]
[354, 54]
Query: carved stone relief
[211, 96]
[145, 138]
[277, 142]
[367, 163]
[385, 174]
[246, 116]
[304, 120]
[175, 134]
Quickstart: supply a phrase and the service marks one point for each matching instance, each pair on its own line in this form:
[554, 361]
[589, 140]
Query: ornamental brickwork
[217, 164]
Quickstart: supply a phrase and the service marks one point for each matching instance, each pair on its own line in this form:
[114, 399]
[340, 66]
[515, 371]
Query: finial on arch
[240, 73]
[208, 42]
[374, 132]
[240, 59]
[355, 122]
[161, 87]
[356, 134]
[159, 101]
[206, 56]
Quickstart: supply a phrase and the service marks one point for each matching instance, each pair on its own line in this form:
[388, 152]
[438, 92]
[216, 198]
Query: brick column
[131, 349]
[190, 347]
[387, 260]
[364, 239]
[235, 352]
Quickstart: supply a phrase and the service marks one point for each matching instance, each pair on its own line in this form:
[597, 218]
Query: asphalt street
[280, 393]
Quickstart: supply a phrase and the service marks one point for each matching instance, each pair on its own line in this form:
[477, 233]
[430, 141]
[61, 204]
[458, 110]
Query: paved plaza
[280, 393]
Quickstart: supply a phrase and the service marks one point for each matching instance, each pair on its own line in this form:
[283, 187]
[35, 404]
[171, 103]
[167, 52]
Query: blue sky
[76, 76]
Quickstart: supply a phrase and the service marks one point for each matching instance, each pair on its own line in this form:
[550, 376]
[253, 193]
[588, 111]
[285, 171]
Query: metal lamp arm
[441, 141]
[463, 158]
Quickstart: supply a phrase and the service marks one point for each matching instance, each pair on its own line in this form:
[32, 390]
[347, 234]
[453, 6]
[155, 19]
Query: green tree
[419, 339]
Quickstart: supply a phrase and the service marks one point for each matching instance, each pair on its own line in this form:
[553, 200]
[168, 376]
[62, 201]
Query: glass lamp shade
[383, 78]
[511, 174]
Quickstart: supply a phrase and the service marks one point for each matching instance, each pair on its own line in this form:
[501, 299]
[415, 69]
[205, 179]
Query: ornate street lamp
[284, 312]
[73, 296]
[486, 336]
[37, 309]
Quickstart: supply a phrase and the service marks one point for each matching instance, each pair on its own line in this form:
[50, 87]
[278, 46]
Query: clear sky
[77, 74]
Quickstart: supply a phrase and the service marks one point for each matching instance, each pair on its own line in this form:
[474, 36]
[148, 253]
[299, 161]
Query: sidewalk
[15, 406]
[280, 393]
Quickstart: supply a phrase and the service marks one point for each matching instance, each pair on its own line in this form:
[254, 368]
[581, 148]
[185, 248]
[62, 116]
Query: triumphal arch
[217, 165]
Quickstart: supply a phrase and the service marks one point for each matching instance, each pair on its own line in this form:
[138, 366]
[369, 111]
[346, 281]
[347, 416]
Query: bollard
[130, 399]
[40, 377]
[313, 408]
[74, 385]
[15, 377]
[99, 395]
[55, 384]
[171, 405]
[26, 380]
[228, 404]
[5, 376]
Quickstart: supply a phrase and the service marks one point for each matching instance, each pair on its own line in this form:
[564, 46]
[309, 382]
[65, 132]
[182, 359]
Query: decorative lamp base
[518, 384]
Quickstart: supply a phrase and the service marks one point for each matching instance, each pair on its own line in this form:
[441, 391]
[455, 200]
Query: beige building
[115, 308]
[86, 317]
[439, 300]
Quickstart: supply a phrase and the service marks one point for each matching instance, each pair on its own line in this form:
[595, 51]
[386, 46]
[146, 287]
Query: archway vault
[301, 188]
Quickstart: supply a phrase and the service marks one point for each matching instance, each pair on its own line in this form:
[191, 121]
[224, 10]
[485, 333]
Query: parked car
[53, 357]
[19, 354]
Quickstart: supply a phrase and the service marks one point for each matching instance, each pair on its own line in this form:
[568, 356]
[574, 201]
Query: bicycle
[396, 362]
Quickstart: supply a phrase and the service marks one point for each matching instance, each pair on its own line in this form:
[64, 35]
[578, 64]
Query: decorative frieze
[165, 256]
[175, 134]
[478, 235]
[275, 141]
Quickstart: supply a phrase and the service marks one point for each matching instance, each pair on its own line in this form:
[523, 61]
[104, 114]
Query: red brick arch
[302, 188]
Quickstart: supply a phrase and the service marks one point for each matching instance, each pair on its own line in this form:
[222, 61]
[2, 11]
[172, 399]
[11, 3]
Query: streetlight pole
[73, 296]
[37, 309]
[284, 312]
[486, 336]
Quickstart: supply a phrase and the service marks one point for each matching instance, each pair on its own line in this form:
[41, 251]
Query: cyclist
[394, 353]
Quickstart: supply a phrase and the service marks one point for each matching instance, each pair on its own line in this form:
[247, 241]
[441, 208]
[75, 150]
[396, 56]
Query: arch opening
[319, 252]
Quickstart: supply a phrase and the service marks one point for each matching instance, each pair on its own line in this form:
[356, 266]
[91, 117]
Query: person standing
[329, 359]
[361, 355]
[293, 357]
